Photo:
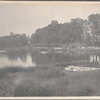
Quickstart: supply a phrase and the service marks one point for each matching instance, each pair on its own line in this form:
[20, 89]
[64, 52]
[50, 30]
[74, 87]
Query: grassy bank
[48, 81]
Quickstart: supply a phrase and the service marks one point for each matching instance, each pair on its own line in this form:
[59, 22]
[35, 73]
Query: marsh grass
[6, 70]
[47, 81]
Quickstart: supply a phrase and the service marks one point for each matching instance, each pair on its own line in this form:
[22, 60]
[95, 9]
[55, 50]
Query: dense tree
[78, 30]
[13, 40]
[46, 36]
[86, 36]
[94, 21]
[56, 34]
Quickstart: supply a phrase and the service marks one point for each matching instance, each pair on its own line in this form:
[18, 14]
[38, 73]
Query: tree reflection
[49, 58]
[14, 55]
[73, 58]
[23, 55]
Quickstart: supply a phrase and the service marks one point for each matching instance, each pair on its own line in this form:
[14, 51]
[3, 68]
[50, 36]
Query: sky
[27, 17]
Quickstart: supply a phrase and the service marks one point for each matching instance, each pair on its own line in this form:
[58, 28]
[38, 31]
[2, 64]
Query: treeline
[14, 40]
[86, 32]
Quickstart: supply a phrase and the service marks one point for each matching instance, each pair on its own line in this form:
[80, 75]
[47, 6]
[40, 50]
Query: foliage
[55, 34]
[94, 21]
[78, 30]
[13, 40]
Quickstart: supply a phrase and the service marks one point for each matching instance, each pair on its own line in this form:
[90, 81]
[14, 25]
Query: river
[24, 58]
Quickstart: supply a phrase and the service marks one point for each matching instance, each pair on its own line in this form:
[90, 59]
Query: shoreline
[53, 49]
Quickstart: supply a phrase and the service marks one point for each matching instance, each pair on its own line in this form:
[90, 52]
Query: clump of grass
[34, 90]
[80, 90]
[6, 70]
[49, 73]
[13, 69]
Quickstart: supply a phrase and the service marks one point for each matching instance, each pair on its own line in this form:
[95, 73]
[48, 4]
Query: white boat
[80, 68]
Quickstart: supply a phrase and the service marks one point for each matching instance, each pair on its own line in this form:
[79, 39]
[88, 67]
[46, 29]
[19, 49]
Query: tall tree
[94, 20]
[76, 25]
[86, 32]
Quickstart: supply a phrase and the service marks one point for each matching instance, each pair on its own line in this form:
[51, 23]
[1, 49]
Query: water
[42, 58]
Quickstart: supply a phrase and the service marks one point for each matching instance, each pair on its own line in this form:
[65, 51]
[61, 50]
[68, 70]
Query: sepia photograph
[49, 49]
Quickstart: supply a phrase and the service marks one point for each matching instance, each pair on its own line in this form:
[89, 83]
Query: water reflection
[33, 58]
[94, 58]
[49, 58]
[16, 58]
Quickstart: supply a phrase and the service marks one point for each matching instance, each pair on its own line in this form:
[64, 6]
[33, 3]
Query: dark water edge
[46, 57]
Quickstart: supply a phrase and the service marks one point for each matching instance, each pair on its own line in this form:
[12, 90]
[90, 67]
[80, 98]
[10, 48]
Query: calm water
[39, 58]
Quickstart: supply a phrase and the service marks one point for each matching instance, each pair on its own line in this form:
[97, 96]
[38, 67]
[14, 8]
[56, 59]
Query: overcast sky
[26, 17]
